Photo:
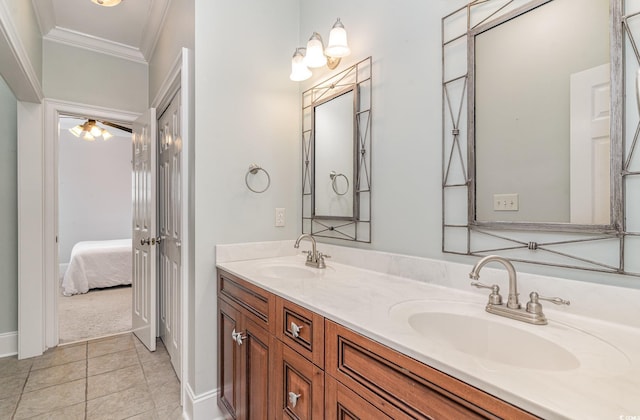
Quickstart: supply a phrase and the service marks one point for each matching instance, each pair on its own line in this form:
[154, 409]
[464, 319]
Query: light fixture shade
[107, 3]
[299, 70]
[106, 135]
[338, 46]
[76, 131]
[315, 52]
[88, 137]
[95, 130]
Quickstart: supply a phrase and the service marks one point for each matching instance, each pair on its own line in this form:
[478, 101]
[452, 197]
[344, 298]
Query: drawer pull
[293, 398]
[295, 330]
[237, 336]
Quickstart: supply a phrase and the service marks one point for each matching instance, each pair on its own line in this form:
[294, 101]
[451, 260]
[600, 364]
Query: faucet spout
[311, 238]
[512, 301]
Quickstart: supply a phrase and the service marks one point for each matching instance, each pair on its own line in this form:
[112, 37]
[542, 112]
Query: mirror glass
[334, 158]
[541, 124]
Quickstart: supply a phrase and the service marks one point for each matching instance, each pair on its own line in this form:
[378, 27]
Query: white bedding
[98, 264]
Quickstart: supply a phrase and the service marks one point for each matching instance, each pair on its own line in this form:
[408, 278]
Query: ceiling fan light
[106, 135]
[88, 137]
[107, 3]
[76, 131]
[95, 130]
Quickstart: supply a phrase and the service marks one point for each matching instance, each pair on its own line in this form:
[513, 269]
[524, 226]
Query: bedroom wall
[8, 211]
[94, 189]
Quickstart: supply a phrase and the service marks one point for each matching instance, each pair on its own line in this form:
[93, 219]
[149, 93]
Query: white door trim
[53, 110]
[181, 77]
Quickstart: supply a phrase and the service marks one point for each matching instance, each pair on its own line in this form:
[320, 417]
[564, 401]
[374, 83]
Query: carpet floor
[98, 313]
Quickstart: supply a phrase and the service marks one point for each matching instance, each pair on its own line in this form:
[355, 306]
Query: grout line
[86, 379]
[15, 409]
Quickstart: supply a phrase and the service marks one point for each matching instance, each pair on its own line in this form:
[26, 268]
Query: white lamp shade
[95, 131]
[76, 131]
[299, 70]
[315, 52]
[107, 3]
[106, 135]
[338, 46]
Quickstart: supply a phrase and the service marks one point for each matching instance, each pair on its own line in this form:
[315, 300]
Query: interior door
[144, 229]
[170, 226]
[590, 172]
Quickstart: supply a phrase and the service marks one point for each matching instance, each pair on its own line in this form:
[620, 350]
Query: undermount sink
[492, 341]
[288, 271]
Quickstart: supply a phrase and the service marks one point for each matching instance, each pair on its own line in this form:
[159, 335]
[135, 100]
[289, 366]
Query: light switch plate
[505, 202]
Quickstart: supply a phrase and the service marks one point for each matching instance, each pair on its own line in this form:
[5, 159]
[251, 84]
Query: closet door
[144, 229]
[170, 225]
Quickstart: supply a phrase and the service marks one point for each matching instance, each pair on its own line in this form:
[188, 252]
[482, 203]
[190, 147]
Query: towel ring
[254, 169]
[333, 175]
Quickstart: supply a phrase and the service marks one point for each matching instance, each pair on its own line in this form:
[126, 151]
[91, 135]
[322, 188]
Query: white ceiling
[128, 30]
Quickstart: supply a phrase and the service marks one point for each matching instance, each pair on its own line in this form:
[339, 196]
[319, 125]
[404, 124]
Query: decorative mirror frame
[358, 228]
[599, 248]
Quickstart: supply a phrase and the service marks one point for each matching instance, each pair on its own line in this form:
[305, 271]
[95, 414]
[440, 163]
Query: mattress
[96, 264]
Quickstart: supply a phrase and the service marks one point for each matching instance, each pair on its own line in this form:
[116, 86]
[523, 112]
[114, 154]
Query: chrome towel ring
[253, 170]
[334, 176]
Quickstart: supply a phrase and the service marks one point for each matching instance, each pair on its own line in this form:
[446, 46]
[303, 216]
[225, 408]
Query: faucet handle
[494, 298]
[309, 257]
[321, 258]
[534, 306]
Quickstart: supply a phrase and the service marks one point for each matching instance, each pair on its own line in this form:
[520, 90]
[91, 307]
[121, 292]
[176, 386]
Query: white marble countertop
[606, 384]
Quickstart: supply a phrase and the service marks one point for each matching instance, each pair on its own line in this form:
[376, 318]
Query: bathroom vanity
[348, 342]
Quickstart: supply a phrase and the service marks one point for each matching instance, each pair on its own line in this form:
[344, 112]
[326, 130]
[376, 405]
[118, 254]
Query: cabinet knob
[293, 398]
[295, 330]
[237, 336]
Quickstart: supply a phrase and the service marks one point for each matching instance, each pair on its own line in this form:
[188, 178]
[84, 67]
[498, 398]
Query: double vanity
[377, 335]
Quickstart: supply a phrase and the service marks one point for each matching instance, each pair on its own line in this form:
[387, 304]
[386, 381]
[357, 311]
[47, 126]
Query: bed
[97, 264]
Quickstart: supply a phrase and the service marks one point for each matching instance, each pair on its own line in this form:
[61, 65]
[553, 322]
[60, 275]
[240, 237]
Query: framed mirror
[336, 155]
[538, 142]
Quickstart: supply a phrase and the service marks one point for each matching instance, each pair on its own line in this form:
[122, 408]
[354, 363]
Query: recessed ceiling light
[107, 3]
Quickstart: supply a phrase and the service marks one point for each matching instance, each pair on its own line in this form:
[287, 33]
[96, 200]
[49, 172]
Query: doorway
[94, 228]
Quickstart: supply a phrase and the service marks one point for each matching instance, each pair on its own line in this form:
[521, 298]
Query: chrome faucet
[512, 301]
[532, 314]
[314, 258]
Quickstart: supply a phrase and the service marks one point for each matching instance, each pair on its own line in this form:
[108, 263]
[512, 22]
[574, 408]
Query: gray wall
[86, 77]
[8, 211]
[247, 110]
[178, 32]
[94, 196]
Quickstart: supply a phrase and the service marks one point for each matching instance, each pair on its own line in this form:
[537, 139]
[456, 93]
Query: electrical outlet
[280, 219]
[505, 202]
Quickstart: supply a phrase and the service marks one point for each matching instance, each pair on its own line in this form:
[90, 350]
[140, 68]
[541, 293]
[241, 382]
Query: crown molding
[155, 21]
[16, 67]
[93, 43]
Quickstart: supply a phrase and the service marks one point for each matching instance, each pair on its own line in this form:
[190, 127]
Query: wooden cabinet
[279, 360]
[245, 349]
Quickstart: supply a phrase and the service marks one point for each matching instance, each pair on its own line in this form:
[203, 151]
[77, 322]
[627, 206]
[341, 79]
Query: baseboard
[8, 344]
[203, 406]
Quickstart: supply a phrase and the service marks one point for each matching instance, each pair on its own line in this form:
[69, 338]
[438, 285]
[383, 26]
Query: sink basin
[287, 271]
[493, 342]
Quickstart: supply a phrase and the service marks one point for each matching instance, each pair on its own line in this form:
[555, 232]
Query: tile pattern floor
[111, 378]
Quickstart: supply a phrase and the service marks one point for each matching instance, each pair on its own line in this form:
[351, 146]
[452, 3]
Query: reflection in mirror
[542, 108]
[336, 155]
[334, 143]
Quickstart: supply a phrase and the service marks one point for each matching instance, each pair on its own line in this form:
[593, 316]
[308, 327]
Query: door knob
[146, 241]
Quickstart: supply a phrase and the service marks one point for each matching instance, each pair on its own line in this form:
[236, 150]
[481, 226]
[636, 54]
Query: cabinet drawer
[301, 329]
[403, 387]
[342, 403]
[299, 386]
[256, 303]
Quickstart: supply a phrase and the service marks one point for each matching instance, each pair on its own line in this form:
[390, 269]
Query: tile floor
[111, 378]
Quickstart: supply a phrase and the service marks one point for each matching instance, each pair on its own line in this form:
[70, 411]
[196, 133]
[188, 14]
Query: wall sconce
[316, 55]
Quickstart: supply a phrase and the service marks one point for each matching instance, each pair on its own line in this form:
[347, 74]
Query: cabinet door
[342, 403]
[299, 386]
[256, 372]
[229, 359]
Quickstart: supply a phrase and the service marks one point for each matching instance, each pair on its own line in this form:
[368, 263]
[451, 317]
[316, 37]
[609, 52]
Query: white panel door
[170, 226]
[144, 229]
[590, 172]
